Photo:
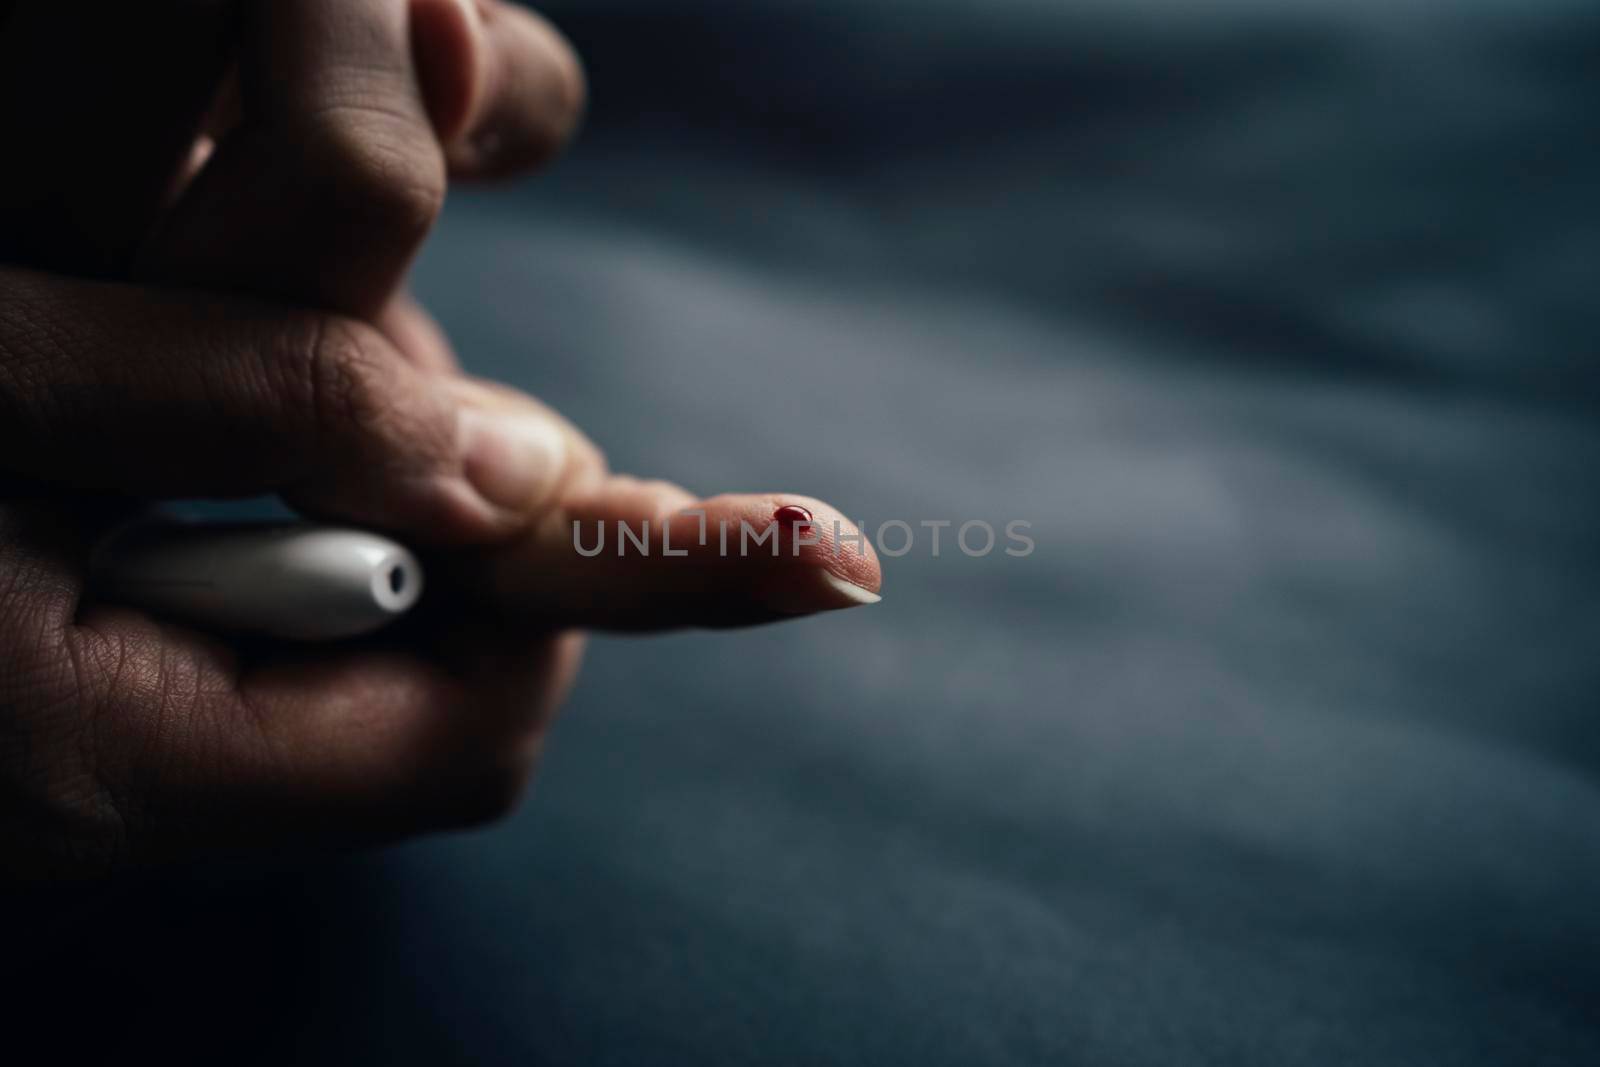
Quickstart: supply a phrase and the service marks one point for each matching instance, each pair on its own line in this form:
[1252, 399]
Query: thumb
[112, 388]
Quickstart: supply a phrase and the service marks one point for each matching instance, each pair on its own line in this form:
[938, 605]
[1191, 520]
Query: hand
[128, 740]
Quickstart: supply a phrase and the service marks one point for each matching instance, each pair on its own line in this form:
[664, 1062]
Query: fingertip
[822, 561]
[839, 570]
[533, 97]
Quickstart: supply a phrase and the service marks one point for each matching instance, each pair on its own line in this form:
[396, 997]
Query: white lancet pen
[294, 581]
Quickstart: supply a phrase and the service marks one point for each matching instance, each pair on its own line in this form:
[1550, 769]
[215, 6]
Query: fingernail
[513, 460]
[813, 589]
[849, 593]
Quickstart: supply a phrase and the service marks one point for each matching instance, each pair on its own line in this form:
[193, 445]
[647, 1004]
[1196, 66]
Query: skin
[204, 295]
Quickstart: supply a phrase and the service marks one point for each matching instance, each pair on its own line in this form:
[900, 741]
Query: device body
[293, 581]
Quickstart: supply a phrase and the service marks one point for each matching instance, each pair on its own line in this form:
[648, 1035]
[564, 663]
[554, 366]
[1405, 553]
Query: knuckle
[374, 436]
[379, 170]
[346, 378]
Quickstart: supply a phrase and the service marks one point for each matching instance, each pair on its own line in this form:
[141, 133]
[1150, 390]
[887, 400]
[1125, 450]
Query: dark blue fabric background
[1278, 321]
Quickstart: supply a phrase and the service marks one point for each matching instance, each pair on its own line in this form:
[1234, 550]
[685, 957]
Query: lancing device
[293, 581]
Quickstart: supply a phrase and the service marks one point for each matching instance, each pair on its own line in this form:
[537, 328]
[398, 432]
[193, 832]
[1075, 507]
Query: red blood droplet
[793, 515]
